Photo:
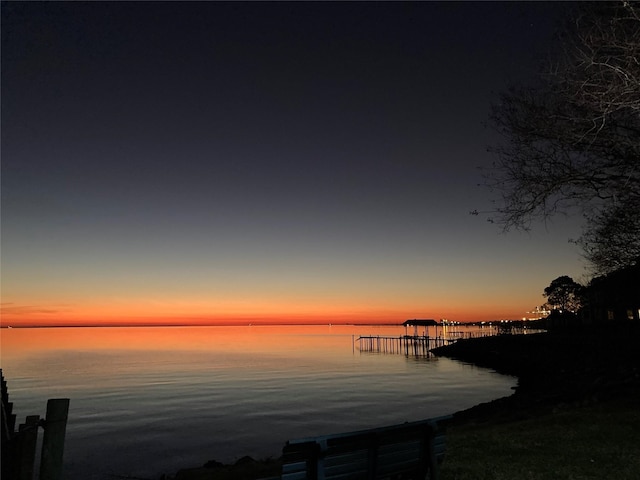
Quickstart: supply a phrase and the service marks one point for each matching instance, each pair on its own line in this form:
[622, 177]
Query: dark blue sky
[237, 159]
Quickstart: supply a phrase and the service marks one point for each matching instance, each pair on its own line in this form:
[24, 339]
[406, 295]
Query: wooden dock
[409, 345]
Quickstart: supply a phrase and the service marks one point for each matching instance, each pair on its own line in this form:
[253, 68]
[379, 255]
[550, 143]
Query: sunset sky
[264, 162]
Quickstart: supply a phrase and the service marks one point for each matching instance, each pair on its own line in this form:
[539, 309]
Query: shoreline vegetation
[574, 414]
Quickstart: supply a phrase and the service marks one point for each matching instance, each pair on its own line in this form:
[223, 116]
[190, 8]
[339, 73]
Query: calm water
[147, 401]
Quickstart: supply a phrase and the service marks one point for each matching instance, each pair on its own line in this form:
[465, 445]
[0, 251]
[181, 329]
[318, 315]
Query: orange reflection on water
[17, 342]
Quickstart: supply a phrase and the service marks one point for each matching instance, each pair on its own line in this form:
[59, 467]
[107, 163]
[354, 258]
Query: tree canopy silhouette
[564, 294]
[571, 141]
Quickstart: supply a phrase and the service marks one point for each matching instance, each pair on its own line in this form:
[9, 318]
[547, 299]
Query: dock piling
[410, 345]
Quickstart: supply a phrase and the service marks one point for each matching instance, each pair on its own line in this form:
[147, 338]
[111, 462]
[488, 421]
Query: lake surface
[152, 400]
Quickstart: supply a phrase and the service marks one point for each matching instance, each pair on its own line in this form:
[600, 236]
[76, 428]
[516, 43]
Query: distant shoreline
[244, 324]
[157, 325]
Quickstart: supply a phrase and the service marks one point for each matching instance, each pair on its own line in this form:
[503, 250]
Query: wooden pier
[409, 345]
[421, 344]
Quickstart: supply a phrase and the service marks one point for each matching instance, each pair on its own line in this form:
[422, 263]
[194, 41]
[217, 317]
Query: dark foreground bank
[555, 370]
[575, 413]
[575, 373]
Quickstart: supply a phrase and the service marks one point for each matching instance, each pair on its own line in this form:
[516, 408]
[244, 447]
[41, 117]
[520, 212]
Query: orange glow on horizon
[201, 313]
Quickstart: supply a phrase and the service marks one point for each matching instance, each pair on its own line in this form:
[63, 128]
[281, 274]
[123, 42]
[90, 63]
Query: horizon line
[236, 324]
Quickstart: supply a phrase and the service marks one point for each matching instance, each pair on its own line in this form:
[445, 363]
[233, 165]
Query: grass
[593, 442]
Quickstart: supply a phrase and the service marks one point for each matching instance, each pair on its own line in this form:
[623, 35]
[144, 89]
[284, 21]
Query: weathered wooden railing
[19, 447]
[409, 451]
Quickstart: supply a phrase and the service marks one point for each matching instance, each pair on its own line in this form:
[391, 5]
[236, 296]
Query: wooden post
[27, 440]
[433, 459]
[8, 421]
[53, 439]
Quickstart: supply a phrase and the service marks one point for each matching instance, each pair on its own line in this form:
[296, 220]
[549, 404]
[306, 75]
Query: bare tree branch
[571, 142]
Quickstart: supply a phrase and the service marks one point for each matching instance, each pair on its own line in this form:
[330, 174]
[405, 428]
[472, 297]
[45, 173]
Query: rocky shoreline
[555, 370]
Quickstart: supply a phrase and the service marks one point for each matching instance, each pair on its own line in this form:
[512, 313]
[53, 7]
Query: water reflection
[223, 392]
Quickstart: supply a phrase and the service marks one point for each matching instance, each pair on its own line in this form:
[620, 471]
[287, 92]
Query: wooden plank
[406, 459]
[300, 460]
[53, 439]
[302, 475]
[27, 441]
[439, 446]
[292, 467]
[353, 464]
[7, 419]
[392, 456]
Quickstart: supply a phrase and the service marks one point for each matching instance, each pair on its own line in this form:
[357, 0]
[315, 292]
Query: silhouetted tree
[572, 140]
[611, 242]
[564, 294]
